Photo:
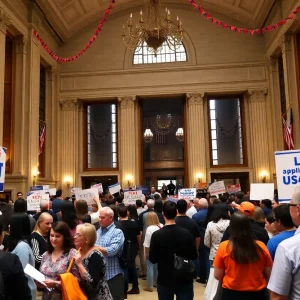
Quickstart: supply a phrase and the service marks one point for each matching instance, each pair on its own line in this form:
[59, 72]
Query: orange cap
[247, 208]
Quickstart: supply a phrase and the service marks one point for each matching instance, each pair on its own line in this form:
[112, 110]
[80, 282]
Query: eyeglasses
[77, 235]
[292, 204]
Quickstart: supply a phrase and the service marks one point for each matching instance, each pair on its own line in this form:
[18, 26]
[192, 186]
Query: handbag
[184, 268]
[70, 286]
[213, 288]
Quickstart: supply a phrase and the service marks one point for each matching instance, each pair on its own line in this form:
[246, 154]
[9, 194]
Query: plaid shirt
[112, 239]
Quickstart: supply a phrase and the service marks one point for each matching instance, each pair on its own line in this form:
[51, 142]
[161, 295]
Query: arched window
[143, 56]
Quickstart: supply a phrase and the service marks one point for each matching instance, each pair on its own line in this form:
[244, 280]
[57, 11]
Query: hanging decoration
[99, 139]
[228, 133]
[80, 53]
[243, 30]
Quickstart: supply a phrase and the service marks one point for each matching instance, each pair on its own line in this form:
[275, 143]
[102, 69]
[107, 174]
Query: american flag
[42, 138]
[288, 133]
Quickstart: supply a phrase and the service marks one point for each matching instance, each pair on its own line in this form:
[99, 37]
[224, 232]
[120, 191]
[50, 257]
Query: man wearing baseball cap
[247, 208]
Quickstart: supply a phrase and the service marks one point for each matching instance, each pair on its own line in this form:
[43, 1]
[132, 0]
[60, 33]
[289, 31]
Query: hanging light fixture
[148, 136]
[179, 135]
[154, 30]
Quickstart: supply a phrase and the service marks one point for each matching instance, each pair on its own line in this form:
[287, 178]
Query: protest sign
[52, 192]
[75, 189]
[2, 167]
[187, 194]
[34, 200]
[216, 188]
[201, 185]
[88, 195]
[115, 188]
[130, 197]
[287, 173]
[260, 191]
[98, 186]
[233, 188]
[39, 187]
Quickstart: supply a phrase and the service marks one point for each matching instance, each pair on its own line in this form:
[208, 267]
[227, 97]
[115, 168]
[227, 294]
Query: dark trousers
[238, 295]
[182, 292]
[116, 287]
[204, 262]
[131, 274]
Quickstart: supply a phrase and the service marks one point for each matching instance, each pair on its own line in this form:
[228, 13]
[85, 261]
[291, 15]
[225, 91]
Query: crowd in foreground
[250, 248]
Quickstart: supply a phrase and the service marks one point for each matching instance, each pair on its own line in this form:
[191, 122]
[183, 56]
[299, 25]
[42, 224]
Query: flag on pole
[288, 134]
[42, 137]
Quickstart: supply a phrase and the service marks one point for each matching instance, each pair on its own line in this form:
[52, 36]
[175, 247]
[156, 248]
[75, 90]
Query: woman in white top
[152, 226]
[217, 224]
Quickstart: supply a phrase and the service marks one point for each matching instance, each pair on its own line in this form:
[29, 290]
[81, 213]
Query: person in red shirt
[243, 264]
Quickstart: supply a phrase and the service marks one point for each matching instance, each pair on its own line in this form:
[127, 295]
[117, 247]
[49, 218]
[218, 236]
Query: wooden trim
[140, 143]
[185, 145]
[244, 142]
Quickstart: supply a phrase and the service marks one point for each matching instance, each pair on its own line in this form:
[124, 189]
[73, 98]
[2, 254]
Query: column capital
[21, 44]
[127, 101]
[257, 95]
[195, 98]
[285, 42]
[70, 104]
[4, 21]
[271, 63]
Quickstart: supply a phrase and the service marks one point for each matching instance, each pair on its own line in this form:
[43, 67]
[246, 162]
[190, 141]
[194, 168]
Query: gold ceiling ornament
[153, 30]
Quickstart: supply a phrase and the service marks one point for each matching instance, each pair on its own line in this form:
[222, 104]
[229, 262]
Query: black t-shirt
[130, 229]
[188, 224]
[171, 188]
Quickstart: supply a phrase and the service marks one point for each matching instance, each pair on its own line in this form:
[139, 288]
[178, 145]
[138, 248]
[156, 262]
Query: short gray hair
[44, 203]
[107, 210]
[150, 203]
[296, 198]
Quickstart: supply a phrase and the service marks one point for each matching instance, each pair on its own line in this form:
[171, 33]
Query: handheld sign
[34, 200]
[39, 187]
[2, 167]
[260, 191]
[130, 197]
[75, 189]
[233, 188]
[115, 188]
[52, 192]
[217, 188]
[187, 194]
[287, 173]
[87, 195]
[98, 186]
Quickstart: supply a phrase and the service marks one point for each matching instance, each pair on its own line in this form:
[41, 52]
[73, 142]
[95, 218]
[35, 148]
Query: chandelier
[154, 30]
[148, 136]
[179, 135]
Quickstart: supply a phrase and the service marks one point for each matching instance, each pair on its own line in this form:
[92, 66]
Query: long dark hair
[19, 230]
[244, 249]
[68, 214]
[218, 212]
[63, 229]
[133, 215]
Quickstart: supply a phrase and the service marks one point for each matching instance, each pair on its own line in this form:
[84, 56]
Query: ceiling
[70, 16]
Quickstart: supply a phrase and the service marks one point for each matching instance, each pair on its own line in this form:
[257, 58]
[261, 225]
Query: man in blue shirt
[201, 206]
[110, 241]
[283, 224]
[57, 202]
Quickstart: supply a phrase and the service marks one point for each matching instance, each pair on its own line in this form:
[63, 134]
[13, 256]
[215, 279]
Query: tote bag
[213, 288]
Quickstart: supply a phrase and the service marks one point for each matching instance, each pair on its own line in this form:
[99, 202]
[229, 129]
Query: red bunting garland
[92, 39]
[243, 30]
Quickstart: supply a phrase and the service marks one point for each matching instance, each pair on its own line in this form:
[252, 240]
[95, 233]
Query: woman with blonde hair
[39, 237]
[152, 226]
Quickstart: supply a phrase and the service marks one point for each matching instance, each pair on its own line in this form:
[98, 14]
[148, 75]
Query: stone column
[128, 146]
[259, 134]
[195, 131]
[19, 113]
[68, 146]
[4, 22]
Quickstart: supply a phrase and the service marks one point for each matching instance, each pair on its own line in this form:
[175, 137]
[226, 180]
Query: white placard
[130, 197]
[260, 191]
[217, 187]
[233, 188]
[52, 192]
[115, 188]
[88, 195]
[35, 274]
[75, 189]
[287, 173]
[98, 186]
[187, 194]
[34, 200]
[2, 167]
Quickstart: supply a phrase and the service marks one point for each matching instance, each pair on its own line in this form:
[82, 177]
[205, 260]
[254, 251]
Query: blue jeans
[151, 273]
[182, 292]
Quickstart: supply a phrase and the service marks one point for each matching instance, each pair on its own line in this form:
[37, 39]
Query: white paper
[35, 274]
[130, 197]
[34, 200]
[187, 194]
[52, 192]
[260, 191]
[115, 188]
[88, 195]
[98, 186]
[217, 187]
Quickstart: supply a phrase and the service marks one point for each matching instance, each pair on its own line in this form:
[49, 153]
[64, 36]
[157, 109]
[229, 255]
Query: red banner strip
[80, 53]
[243, 30]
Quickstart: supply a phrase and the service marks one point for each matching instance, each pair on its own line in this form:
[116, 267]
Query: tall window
[101, 138]
[143, 56]
[226, 132]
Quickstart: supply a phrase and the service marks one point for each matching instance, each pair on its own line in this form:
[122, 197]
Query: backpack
[1, 287]
[126, 255]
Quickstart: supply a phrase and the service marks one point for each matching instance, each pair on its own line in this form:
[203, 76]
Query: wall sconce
[199, 177]
[263, 176]
[35, 174]
[129, 179]
[67, 181]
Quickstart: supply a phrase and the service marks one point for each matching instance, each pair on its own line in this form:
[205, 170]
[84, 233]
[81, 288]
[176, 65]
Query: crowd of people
[249, 247]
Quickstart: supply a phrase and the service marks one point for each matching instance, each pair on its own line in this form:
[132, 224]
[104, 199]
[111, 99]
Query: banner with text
[98, 186]
[115, 188]
[34, 200]
[260, 191]
[88, 195]
[233, 188]
[2, 167]
[287, 173]
[130, 197]
[75, 189]
[39, 187]
[187, 194]
[216, 188]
